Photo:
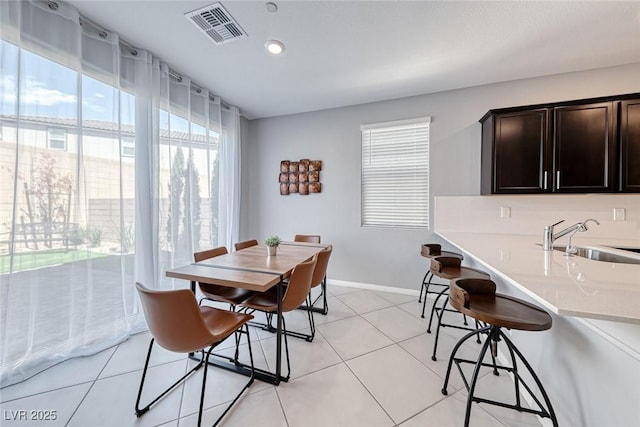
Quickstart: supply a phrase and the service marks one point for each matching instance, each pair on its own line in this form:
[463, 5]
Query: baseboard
[371, 287]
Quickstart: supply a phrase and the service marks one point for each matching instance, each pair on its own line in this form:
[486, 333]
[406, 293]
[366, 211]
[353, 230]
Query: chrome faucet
[549, 236]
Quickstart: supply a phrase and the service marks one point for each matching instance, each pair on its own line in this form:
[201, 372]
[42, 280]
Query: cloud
[35, 93]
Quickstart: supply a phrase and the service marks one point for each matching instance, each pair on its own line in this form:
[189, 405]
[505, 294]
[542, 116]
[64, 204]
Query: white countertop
[572, 286]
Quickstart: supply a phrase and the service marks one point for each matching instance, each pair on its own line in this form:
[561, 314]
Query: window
[57, 139]
[395, 174]
[128, 146]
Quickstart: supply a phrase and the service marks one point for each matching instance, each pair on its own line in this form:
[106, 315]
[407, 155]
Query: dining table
[253, 269]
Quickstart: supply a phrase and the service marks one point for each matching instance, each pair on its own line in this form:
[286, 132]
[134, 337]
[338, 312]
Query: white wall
[383, 256]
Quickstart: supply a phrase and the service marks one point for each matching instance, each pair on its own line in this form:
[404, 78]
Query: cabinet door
[520, 153]
[584, 150]
[630, 146]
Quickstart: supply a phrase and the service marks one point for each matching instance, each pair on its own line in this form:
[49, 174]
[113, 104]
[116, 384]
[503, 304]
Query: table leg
[193, 289]
[279, 332]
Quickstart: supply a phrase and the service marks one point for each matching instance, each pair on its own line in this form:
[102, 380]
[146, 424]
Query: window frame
[50, 139]
[415, 181]
[128, 143]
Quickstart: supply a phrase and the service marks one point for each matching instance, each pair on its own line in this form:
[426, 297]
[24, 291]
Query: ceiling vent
[216, 23]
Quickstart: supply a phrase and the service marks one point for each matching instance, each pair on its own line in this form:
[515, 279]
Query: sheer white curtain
[112, 169]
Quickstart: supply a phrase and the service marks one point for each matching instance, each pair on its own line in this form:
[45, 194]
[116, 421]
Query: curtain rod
[103, 33]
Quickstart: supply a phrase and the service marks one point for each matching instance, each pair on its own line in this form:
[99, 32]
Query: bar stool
[430, 250]
[477, 298]
[449, 268]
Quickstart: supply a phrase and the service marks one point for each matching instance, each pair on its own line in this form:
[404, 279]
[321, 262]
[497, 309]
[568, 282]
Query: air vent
[216, 23]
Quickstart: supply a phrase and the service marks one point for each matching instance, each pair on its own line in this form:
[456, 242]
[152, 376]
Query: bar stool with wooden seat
[246, 244]
[430, 250]
[477, 298]
[449, 268]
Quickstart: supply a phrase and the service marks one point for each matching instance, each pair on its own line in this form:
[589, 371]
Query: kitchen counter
[571, 286]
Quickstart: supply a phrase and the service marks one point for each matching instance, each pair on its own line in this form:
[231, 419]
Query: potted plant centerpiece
[272, 243]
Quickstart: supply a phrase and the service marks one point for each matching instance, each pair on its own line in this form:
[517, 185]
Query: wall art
[302, 177]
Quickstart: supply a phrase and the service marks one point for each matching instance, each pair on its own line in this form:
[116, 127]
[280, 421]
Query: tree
[48, 197]
[213, 201]
[176, 188]
[184, 204]
[192, 220]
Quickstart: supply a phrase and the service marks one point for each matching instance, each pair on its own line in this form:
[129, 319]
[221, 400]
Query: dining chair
[308, 238]
[245, 244]
[319, 278]
[295, 295]
[178, 324]
[231, 296]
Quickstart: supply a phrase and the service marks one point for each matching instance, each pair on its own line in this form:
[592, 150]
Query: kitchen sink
[600, 255]
[636, 250]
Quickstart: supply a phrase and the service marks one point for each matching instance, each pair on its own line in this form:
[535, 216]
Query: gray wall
[385, 256]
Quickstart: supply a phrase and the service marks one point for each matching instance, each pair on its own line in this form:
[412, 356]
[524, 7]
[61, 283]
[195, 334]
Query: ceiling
[342, 53]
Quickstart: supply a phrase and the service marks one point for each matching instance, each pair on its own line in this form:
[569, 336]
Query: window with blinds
[395, 174]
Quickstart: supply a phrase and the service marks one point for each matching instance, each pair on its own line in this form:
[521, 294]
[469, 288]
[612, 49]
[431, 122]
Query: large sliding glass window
[109, 174]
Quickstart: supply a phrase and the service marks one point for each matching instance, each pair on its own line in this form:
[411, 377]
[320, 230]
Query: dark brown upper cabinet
[519, 153]
[583, 146]
[630, 146]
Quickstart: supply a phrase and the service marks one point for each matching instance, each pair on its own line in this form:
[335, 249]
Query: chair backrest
[209, 253]
[309, 238]
[461, 291]
[299, 285]
[245, 244]
[174, 319]
[321, 266]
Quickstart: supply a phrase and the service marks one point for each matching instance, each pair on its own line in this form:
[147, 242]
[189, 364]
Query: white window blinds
[395, 174]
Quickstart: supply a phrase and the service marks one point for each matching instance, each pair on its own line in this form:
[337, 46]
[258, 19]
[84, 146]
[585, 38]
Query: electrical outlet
[619, 214]
[505, 212]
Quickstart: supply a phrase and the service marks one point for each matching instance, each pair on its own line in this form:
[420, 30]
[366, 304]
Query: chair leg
[435, 343]
[286, 348]
[323, 295]
[325, 310]
[424, 286]
[142, 411]
[312, 323]
[474, 378]
[424, 301]
[433, 309]
[246, 386]
[549, 412]
[453, 355]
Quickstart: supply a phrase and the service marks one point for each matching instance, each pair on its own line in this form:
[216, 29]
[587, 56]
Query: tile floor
[369, 365]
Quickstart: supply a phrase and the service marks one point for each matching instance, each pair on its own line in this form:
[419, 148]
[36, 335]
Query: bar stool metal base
[495, 335]
[439, 312]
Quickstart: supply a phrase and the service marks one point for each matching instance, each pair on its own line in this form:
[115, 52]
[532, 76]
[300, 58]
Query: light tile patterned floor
[370, 365]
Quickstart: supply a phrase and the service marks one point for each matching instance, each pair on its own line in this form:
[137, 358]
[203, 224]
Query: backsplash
[529, 214]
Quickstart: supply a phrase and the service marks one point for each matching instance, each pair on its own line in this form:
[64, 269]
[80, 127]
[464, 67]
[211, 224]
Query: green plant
[94, 236]
[272, 241]
[128, 238]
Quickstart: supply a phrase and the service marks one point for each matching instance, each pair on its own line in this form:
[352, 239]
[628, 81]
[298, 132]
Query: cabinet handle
[558, 180]
[544, 183]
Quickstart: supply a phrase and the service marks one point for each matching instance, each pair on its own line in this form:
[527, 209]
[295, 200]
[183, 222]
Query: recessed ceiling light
[274, 47]
[271, 7]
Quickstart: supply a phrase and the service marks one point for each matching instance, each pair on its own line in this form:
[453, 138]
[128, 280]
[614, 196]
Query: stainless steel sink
[600, 255]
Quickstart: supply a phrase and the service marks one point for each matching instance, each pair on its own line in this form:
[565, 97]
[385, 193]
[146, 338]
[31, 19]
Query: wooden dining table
[251, 268]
